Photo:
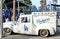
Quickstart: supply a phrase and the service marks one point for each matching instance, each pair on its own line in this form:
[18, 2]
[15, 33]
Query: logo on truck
[41, 21]
[25, 28]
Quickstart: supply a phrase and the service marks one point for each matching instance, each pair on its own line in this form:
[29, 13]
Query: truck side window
[24, 19]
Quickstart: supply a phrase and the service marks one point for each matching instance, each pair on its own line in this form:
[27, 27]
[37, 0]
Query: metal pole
[50, 5]
[1, 24]
[18, 7]
[44, 5]
[14, 17]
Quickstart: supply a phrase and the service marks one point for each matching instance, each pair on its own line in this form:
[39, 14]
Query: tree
[27, 1]
[3, 5]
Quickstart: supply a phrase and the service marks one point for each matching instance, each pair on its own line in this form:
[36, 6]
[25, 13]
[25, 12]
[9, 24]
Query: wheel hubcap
[44, 33]
[7, 30]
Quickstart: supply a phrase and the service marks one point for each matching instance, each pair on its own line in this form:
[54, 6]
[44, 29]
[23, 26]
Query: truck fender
[51, 31]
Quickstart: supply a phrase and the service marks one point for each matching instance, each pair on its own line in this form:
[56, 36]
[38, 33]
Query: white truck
[37, 23]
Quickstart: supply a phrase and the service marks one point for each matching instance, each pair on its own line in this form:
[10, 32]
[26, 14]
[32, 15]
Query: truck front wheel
[44, 32]
[7, 31]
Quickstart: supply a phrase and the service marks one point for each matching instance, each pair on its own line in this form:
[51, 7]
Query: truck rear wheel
[7, 31]
[44, 33]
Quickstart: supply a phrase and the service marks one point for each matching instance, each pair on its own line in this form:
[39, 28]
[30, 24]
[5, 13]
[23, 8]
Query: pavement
[21, 36]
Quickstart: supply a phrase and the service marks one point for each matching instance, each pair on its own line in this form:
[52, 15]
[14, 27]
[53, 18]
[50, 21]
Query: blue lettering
[42, 21]
[25, 28]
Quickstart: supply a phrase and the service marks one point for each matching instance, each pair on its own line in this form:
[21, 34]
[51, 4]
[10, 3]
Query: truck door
[26, 24]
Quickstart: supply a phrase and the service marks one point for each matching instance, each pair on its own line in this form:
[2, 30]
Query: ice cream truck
[36, 23]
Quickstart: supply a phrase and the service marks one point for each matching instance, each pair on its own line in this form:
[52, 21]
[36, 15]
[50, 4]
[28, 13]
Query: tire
[7, 31]
[44, 33]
